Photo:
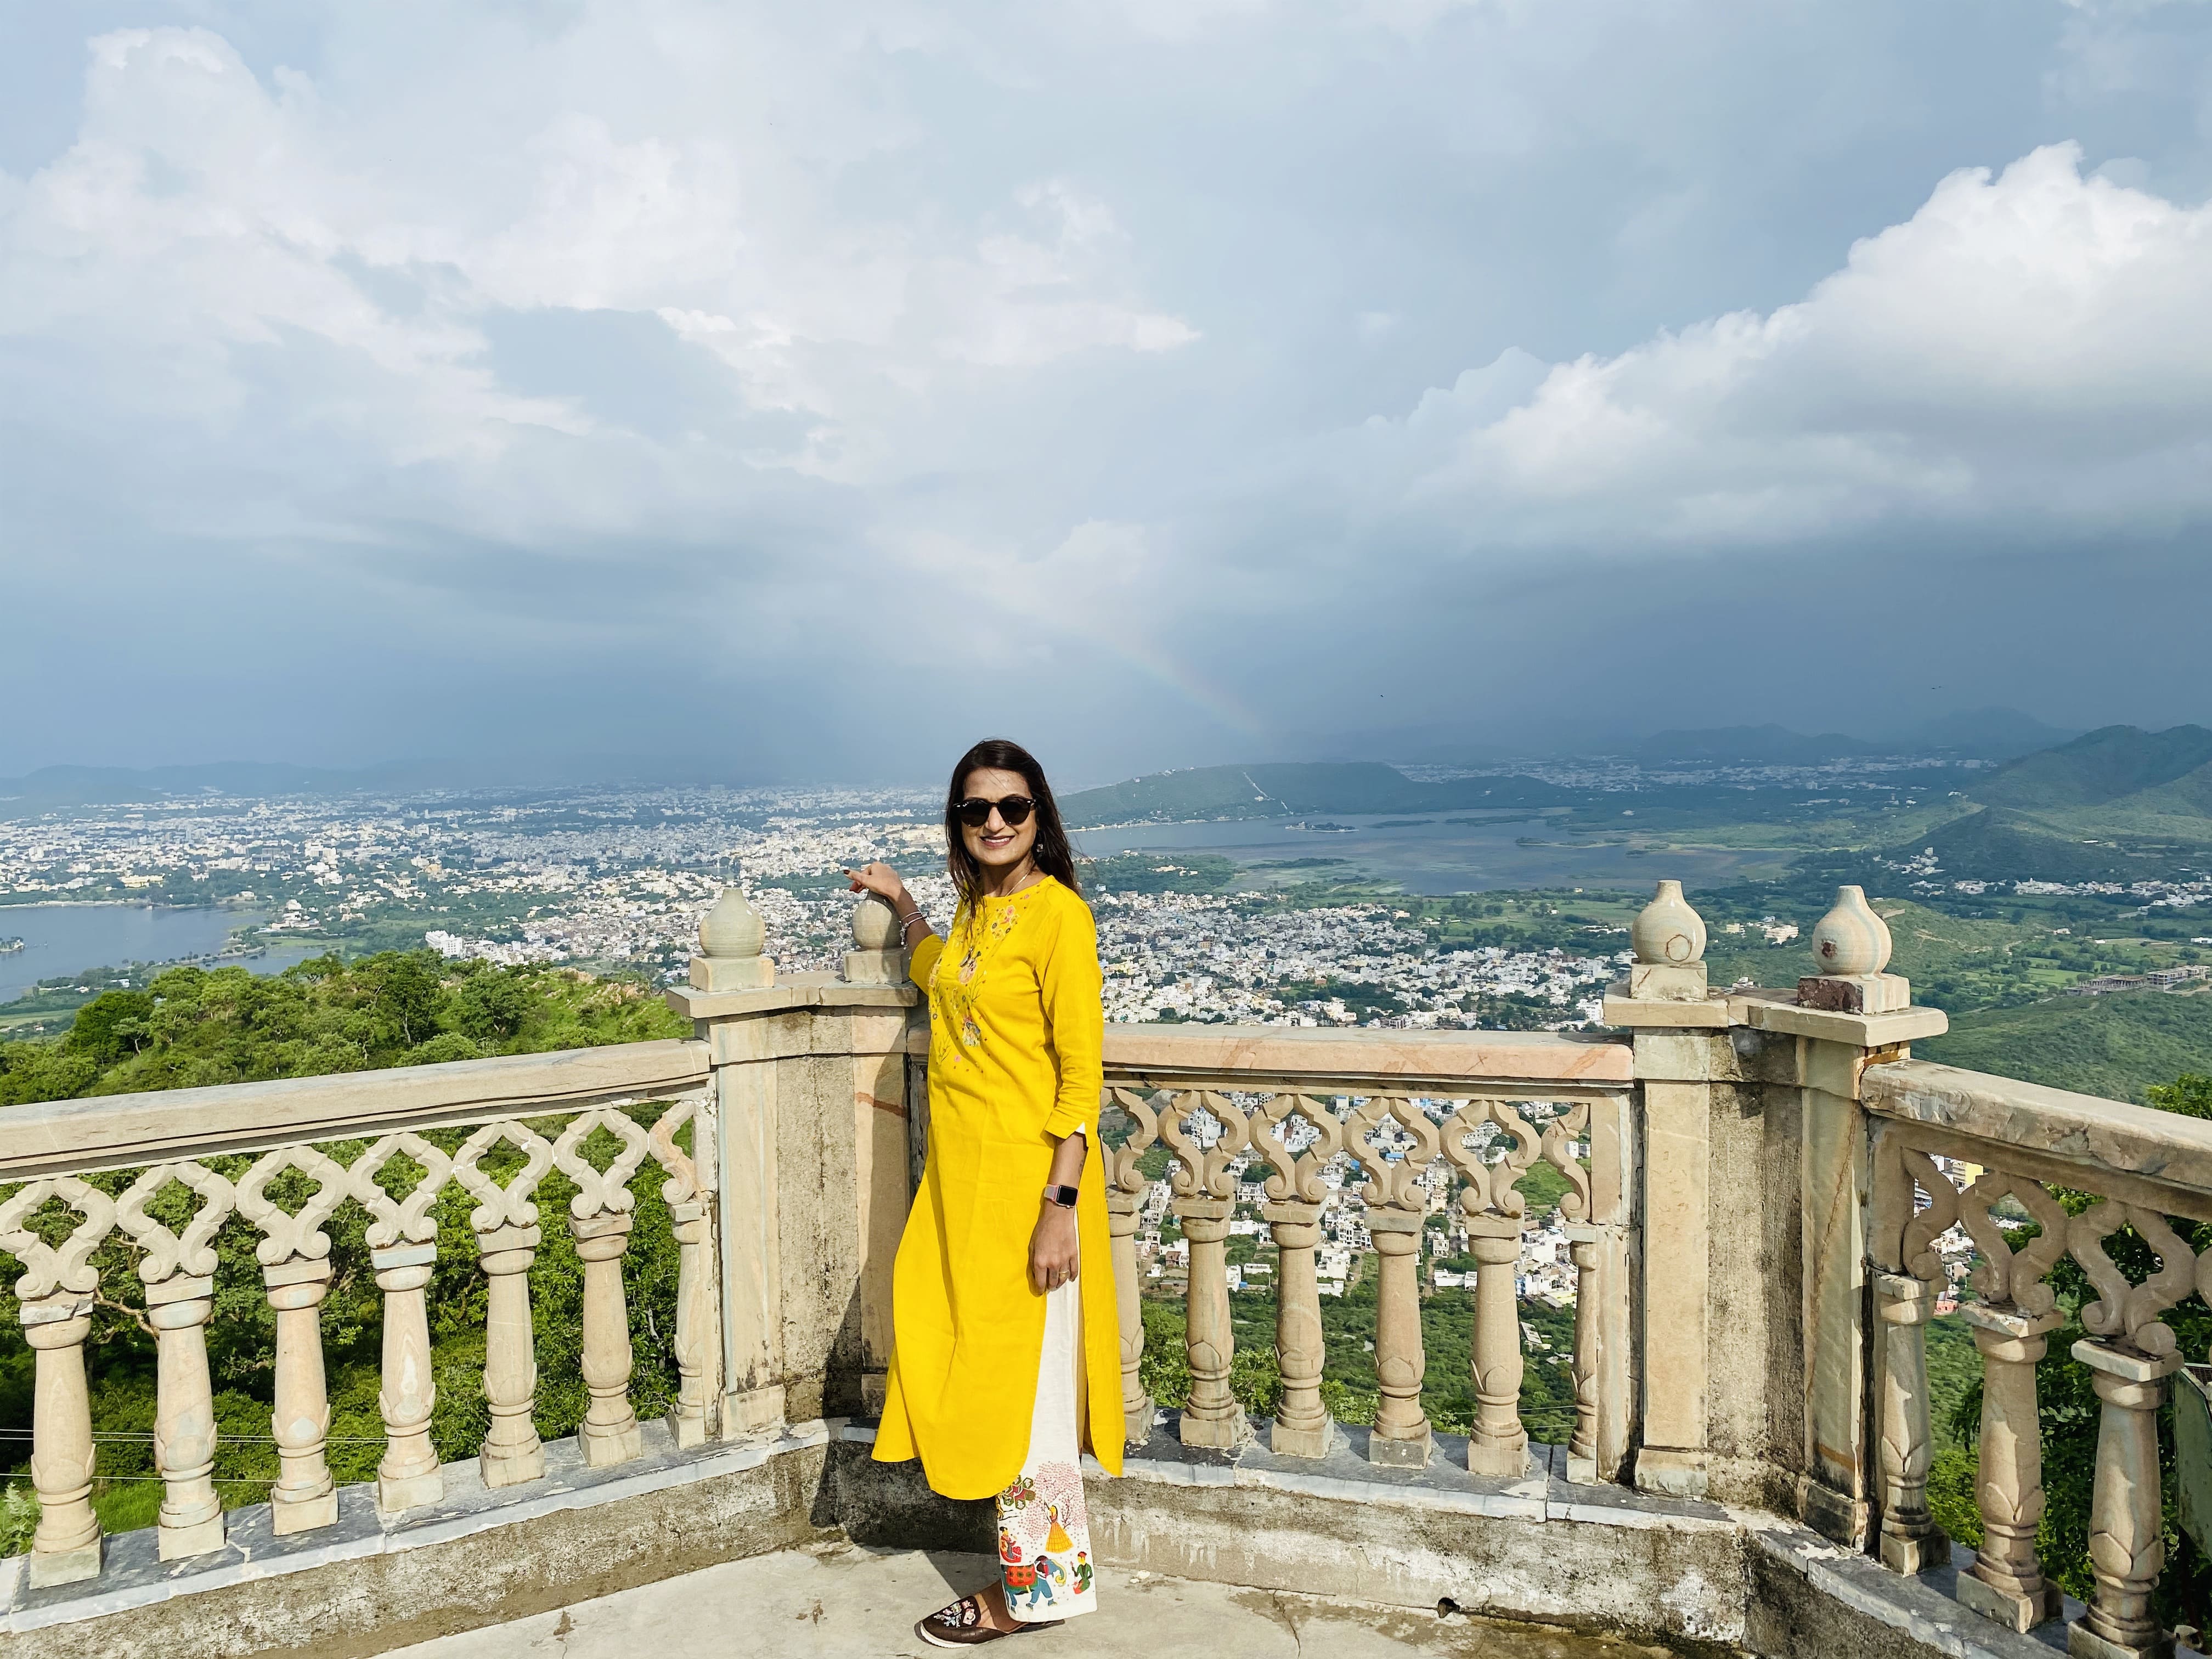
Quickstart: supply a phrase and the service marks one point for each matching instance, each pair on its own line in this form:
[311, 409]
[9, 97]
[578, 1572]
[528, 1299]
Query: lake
[1443, 853]
[68, 938]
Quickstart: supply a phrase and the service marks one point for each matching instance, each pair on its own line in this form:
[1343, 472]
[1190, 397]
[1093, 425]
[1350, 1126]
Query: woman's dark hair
[1052, 852]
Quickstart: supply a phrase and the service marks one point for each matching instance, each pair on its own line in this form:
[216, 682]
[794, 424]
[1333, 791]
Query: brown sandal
[962, 1626]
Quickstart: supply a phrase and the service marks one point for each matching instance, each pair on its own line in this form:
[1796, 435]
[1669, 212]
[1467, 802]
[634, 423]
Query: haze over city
[805, 390]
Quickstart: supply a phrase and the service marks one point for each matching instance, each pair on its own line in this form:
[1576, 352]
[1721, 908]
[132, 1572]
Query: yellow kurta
[1015, 1024]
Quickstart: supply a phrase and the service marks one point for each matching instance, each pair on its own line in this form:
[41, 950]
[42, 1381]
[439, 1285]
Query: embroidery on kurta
[974, 941]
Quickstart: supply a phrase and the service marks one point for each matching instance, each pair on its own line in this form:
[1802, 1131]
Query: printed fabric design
[1044, 1544]
[974, 940]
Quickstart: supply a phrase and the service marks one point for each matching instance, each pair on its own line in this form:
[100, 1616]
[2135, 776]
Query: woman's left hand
[1054, 1249]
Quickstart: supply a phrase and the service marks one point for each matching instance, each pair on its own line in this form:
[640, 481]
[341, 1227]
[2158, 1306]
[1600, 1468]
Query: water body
[69, 938]
[1449, 852]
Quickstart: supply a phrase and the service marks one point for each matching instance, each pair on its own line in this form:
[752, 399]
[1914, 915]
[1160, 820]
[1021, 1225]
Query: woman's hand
[1054, 1253]
[883, 881]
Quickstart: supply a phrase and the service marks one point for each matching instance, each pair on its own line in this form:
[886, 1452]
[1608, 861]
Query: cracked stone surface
[844, 1601]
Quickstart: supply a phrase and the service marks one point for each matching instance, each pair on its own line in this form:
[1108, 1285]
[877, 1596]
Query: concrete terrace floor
[846, 1602]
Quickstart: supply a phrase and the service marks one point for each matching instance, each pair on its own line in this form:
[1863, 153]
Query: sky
[815, 389]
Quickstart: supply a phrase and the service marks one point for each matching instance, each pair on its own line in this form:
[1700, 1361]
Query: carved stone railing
[1407, 1113]
[2127, 1168]
[166, 1172]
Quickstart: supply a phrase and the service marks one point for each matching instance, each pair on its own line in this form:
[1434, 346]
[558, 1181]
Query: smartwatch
[1063, 1197]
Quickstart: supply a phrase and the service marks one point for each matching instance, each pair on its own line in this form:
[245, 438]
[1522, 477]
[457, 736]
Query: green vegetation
[190, 1026]
[1159, 873]
[2117, 1046]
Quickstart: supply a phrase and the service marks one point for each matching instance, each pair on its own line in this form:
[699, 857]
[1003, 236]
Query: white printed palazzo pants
[1045, 1561]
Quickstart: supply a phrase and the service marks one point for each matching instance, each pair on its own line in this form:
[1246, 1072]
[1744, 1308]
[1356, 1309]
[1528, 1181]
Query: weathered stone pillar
[1585, 1247]
[408, 1476]
[1122, 1219]
[1665, 1002]
[812, 1116]
[2127, 1545]
[1835, 1044]
[1213, 1418]
[2006, 1583]
[67, 1546]
[1911, 1540]
[609, 1433]
[304, 1497]
[1499, 1444]
[184, 1427]
[511, 1451]
[1402, 1437]
[1303, 1426]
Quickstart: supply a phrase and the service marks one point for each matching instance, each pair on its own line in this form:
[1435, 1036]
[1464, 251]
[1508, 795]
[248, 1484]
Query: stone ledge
[110, 1132]
[793, 991]
[135, 1579]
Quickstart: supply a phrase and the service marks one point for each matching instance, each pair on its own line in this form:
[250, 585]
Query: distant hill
[1997, 844]
[2100, 767]
[2115, 1046]
[1755, 745]
[1985, 734]
[1283, 789]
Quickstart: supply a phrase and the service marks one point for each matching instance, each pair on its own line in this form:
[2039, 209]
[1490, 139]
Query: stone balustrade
[1434, 1112]
[2034, 1176]
[1753, 1184]
[283, 1159]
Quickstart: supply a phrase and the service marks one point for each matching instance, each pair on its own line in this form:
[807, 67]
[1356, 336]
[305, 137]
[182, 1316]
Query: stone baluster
[67, 1546]
[511, 1451]
[1204, 1203]
[2127, 1546]
[1500, 1445]
[191, 1520]
[692, 1417]
[1397, 1204]
[403, 1252]
[408, 1476]
[1212, 1417]
[1122, 1219]
[1303, 1426]
[295, 1272]
[600, 1216]
[2006, 1583]
[688, 1418]
[179, 1273]
[54, 1302]
[1911, 1540]
[1297, 1194]
[505, 1222]
[1401, 1437]
[1586, 1250]
[1125, 1185]
[305, 1497]
[609, 1433]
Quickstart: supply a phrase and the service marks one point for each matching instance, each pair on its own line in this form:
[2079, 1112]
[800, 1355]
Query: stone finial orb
[875, 925]
[732, 927]
[1851, 938]
[1667, 930]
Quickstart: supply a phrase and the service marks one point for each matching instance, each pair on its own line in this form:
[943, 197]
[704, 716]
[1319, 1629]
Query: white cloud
[2027, 344]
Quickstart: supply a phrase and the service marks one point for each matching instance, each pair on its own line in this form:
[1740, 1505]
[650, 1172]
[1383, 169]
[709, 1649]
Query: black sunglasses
[975, 812]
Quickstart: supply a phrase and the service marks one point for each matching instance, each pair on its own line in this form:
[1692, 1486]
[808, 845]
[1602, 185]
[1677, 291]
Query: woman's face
[997, 845]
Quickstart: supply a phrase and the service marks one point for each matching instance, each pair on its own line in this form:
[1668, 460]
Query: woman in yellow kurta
[1006, 1356]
